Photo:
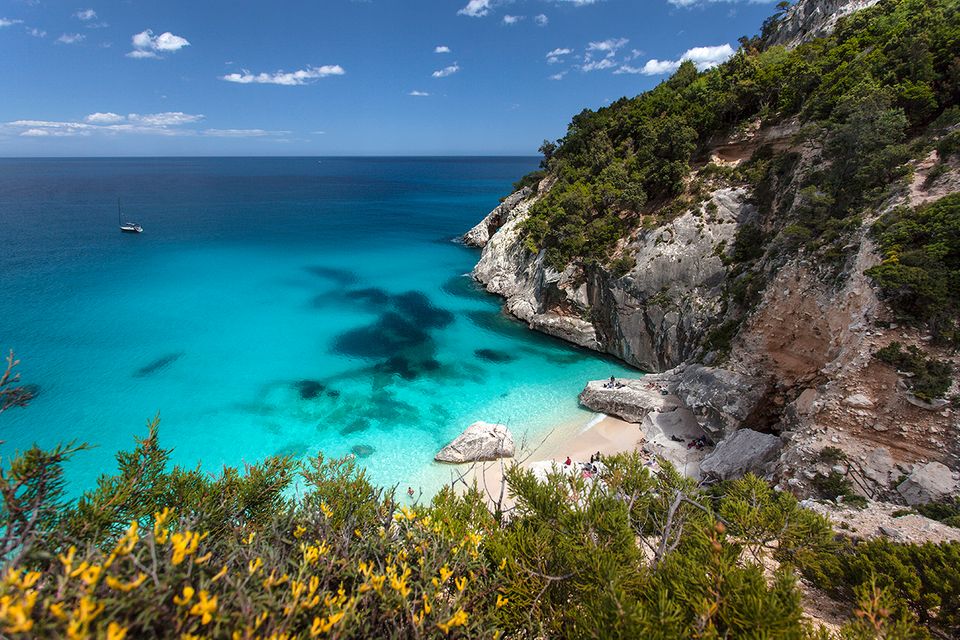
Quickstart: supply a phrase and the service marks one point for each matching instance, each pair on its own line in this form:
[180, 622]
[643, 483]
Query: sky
[336, 77]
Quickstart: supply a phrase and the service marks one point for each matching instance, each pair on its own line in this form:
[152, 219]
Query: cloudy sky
[333, 77]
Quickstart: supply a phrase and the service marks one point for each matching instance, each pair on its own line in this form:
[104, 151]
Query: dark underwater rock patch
[355, 426]
[369, 295]
[340, 276]
[417, 308]
[381, 340]
[157, 365]
[309, 389]
[293, 450]
[362, 450]
[492, 355]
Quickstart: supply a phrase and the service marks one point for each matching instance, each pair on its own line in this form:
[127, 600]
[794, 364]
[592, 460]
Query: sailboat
[127, 227]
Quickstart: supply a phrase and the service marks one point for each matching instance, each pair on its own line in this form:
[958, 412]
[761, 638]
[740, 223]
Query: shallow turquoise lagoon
[271, 306]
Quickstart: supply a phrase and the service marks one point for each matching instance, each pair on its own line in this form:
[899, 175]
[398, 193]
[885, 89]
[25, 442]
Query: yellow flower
[323, 625]
[475, 538]
[503, 564]
[299, 531]
[219, 574]
[116, 632]
[184, 544]
[203, 559]
[129, 540]
[67, 560]
[205, 607]
[126, 587]
[254, 565]
[461, 583]
[249, 538]
[501, 601]
[399, 584]
[456, 620]
[377, 582]
[445, 573]
[426, 604]
[185, 598]
[56, 610]
[326, 510]
[406, 513]
[91, 574]
[159, 520]
[261, 619]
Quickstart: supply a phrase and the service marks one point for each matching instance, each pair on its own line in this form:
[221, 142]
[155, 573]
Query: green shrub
[931, 378]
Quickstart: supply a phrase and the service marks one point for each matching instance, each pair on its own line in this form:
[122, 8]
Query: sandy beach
[604, 434]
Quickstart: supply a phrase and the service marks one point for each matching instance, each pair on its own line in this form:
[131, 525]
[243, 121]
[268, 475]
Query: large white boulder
[480, 441]
[746, 451]
[927, 483]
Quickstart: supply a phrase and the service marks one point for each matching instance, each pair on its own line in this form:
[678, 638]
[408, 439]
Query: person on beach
[568, 462]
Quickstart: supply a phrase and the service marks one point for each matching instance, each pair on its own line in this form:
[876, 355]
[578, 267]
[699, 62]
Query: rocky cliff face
[810, 19]
[655, 315]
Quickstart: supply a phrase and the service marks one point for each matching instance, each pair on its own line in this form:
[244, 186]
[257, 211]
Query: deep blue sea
[271, 306]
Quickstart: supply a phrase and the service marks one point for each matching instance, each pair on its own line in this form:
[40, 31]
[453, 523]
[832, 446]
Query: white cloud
[558, 76]
[557, 55]
[104, 118]
[542, 20]
[242, 133]
[610, 45]
[167, 123]
[577, 3]
[71, 38]
[598, 65]
[85, 14]
[165, 119]
[147, 45]
[286, 78]
[36, 33]
[608, 48]
[442, 48]
[476, 8]
[7, 22]
[446, 71]
[510, 20]
[703, 57]
[418, 94]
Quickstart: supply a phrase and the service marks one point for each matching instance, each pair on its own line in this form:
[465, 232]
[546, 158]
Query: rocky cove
[788, 386]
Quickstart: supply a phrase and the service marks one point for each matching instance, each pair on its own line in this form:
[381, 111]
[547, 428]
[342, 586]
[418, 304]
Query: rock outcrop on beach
[480, 441]
[630, 400]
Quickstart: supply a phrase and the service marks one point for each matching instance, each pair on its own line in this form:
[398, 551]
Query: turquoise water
[271, 306]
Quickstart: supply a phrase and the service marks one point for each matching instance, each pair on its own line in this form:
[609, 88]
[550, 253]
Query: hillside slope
[776, 223]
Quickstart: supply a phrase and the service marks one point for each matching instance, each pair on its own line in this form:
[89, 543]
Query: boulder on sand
[629, 400]
[480, 441]
[744, 452]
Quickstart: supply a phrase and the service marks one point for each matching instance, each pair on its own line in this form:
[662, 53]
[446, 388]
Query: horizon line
[354, 155]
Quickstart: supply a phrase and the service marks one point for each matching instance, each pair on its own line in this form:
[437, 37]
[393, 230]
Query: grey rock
[631, 402]
[927, 483]
[480, 441]
[809, 19]
[746, 451]
[723, 400]
[653, 317]
[858, 401]
[878, 466]
[933, 405]
[480, 234]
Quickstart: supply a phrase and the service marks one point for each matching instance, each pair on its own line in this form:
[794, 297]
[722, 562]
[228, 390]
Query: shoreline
[601, 433]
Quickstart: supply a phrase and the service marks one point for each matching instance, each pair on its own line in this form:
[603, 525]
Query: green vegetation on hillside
[920, 273]
[929, 378]
[885, 75]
